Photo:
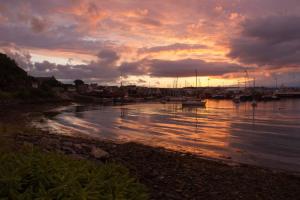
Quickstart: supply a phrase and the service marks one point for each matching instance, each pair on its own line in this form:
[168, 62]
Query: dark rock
[98, 153]
[68, 150]
[67, 143]
[78, 146]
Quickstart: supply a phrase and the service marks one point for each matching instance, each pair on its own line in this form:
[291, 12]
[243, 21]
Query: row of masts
[176, 81]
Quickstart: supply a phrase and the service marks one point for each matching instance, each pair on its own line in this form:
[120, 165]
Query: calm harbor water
[268, 135]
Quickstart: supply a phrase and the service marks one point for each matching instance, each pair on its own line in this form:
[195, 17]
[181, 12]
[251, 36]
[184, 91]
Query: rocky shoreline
[174, 175]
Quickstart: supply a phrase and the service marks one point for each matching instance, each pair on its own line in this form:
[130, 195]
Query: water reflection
[267, 135]
[253, 114]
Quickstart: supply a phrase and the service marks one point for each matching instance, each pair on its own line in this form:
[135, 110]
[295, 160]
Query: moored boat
[163, 101]
[254, 103]
[176, 99]
[236, 99]
[218, 96]
[194, 103]
[270, 98]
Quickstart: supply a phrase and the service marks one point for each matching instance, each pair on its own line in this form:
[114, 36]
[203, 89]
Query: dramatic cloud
[149, 21]
[92, 71]
[151, 38]
[39, 25]
[54, 39]
[108, 56]
[173, 47]
[182, 68]
[101, 70]
[272, 41]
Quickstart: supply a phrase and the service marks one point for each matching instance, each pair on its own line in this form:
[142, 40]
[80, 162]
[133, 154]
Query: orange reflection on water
[179, 129]
[222, 129]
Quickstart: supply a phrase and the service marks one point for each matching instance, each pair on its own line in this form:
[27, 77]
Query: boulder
[98, 153]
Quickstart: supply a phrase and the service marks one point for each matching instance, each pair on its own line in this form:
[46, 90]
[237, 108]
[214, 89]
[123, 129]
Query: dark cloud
[150, 21]
[37, 6]
[135, 68]
[93, 9]
[187, 67]
[62, 37]
[38, 25]
[182, 68]
[106, 68]
[58, 25]
[274, 29]
[92, 71]
[103, 69]
[272, 41]
[141, 81]
[173, 47]
[108, 56]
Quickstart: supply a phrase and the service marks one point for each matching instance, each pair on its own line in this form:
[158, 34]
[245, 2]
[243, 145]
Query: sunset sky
[154, 41]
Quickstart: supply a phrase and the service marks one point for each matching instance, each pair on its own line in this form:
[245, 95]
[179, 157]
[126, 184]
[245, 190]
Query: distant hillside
[12, 77]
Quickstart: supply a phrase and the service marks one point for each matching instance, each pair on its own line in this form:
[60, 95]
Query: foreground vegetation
[32, 174]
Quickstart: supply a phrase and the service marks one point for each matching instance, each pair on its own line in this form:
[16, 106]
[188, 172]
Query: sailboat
[194, 102]
[236, 99]
[253, 103]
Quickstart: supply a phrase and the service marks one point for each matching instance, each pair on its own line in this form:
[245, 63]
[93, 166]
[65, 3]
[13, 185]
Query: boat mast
[121, 79]
[246, 78]
[196, 78]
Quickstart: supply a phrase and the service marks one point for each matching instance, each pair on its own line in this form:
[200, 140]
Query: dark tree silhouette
[12, 77]
[78, 82]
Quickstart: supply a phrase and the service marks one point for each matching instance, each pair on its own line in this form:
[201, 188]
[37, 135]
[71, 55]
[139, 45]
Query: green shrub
[37, 175]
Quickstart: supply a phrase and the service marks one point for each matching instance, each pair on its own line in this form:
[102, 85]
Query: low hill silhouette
[12, 77]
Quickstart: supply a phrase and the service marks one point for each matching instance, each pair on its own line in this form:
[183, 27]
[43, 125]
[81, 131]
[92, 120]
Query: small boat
[194, 103]
[176, 99]
[254, 103]
[275, 97]
[236, 99]
[270, 98]
[218, 96]
[163, 101]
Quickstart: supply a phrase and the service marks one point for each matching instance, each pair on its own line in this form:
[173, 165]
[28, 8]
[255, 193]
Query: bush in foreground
[36, 175]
